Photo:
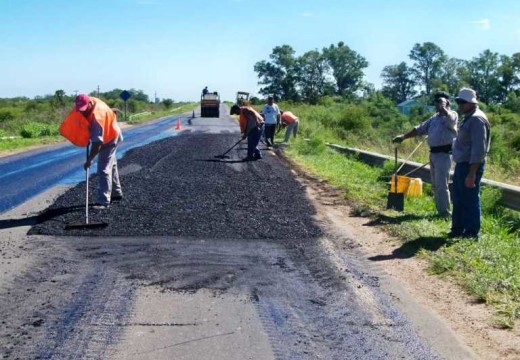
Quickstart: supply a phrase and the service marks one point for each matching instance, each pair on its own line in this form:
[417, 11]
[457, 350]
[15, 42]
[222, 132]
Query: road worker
[291, 123]
[251, 126]
[104, 134]
[441, 129]
[271, 114]
[469, 153]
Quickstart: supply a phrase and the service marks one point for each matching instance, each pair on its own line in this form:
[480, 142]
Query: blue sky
[175, 48]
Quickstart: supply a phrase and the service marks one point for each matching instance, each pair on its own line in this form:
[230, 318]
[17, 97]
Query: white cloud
[484, 24]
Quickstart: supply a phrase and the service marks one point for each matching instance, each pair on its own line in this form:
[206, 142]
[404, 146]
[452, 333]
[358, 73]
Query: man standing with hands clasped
[271, 114]
[469, 153]
[441, 129]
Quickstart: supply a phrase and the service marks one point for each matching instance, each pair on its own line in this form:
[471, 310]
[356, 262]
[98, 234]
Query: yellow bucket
[402, 184]
[415, 187]
[407, 185]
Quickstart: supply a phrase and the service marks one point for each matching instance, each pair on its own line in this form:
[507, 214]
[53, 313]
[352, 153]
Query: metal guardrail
[510, 194]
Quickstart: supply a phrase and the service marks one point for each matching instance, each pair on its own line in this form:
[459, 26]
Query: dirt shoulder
[470, 320]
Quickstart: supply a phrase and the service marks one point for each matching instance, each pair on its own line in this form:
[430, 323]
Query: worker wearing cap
[251, 126]
[105, 136]
[271, 114]
[469, 153]
[441, 129]
[291, 123]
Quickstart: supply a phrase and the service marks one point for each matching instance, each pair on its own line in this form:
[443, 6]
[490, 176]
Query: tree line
[337, 70]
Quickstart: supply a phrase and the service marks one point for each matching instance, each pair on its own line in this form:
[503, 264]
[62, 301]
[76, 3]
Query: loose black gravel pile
[182, 189]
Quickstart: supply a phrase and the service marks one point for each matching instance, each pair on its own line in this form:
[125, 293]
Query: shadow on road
[36, 219]
[411, 248]
[384, 219]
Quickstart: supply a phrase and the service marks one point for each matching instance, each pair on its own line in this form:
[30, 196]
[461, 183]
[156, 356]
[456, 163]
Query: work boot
[116, 198]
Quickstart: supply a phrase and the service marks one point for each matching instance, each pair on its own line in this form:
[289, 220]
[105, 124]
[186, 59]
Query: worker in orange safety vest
[291, 123]
[251, 126]
[94, 121]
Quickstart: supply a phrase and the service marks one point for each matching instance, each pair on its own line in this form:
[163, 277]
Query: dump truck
[210, 104]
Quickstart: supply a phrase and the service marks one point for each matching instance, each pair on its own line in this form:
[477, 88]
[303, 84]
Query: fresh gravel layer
[179, 187]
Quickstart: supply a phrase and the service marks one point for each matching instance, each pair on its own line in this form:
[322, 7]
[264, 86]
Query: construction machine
[210, 104]
[242, 97]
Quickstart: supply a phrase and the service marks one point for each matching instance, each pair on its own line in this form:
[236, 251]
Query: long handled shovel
[395, 199]
[87, 224]
[223, 156]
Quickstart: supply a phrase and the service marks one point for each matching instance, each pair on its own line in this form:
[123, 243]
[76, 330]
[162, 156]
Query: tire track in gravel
[307, 312]
[49, 312]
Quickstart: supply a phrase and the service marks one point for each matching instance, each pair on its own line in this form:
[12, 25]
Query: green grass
[37, 134]
[488, 268]
[24, 143]
[163, 113]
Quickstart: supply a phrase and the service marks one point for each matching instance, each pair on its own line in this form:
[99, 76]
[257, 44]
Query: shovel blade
[83, 225]
[395, 201]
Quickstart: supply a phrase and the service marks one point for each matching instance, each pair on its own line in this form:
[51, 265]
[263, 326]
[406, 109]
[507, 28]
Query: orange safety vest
[76, 128]
[243, 120]
[288, 117]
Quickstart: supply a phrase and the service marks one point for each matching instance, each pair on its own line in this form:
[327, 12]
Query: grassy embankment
[37, 130]
[488, 268]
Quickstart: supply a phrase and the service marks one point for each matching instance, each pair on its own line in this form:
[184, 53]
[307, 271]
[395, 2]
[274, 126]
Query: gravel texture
[181, 188]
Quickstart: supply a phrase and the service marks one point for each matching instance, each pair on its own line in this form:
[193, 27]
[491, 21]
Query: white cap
[468, 95]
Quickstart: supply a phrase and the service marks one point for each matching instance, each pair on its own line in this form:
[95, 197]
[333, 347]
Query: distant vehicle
[210, 104]
[242, 97]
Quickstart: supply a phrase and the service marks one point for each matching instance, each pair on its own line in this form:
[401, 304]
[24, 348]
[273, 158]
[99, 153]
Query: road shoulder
[469, 320]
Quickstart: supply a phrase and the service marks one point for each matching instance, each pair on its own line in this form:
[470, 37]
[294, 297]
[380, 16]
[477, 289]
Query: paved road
[205, 258]
[27, 174]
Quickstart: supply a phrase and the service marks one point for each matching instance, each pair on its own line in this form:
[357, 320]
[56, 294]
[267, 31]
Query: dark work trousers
[253, 138]
[269, 133]
[465, 219]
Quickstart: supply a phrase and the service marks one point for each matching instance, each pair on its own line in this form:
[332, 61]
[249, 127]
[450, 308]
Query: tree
[280, 74]
[347, 68]
[313, 69]
[509, 73]
[482, 75]
[58, 97]
[398, 82]
[167, 103]
[428, 60]
[451, 76]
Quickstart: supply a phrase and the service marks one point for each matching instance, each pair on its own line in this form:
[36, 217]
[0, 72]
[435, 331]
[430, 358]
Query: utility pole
[98, 91]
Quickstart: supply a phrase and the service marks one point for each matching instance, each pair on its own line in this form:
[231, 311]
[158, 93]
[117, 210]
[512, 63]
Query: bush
[515, 143]
[315, 146]
[355, 118]
[33, 130]
[6, 115]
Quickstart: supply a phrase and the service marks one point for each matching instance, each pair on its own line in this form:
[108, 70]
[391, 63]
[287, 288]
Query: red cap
[82, 101]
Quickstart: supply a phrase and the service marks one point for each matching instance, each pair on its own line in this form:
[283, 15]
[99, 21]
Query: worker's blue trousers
[253, 138]
[466, 202]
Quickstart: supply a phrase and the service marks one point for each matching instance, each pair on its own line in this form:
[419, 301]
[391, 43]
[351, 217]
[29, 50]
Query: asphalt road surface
[24, 175]
[205, 258]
